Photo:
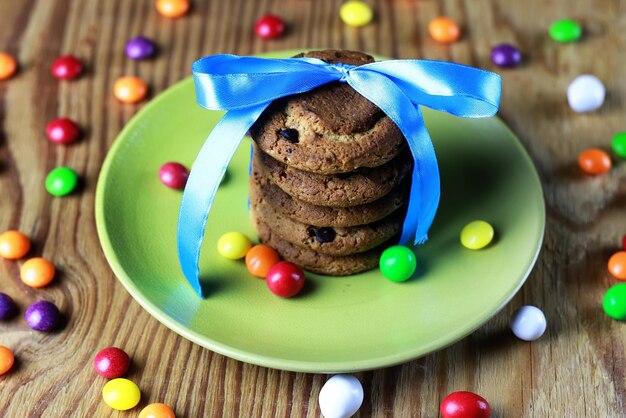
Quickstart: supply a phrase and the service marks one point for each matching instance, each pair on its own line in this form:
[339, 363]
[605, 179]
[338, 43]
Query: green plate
[339, 324]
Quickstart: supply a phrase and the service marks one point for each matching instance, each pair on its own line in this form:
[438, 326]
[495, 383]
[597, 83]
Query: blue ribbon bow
[245, 86]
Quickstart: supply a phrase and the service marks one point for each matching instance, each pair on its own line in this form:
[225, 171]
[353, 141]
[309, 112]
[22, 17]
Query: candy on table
[614, 302]
[398, 263]
[61, 181]
[618, 143]
[341, 396]
[37, 272]
[356, 13]
[476, 235]
[505, 55]
[269, 27]
[233, 245]
[617, 265]
[66, 67]
[62, 131]
[172, 8]
[111, 362]
[528, 323]
[121, 394]
[6, 359]
[8, 308]
[465, 405]
[8, 66]
[260, 258]
[586, 93]
[285, 279]
[157, 410]
[130, 89]
[139, 48]
[42, 316]
[594, 161]
[444, 30]
[14, 245]
[174, 175]
[565, 30]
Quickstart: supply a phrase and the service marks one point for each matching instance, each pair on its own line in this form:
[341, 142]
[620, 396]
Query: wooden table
[577, 368]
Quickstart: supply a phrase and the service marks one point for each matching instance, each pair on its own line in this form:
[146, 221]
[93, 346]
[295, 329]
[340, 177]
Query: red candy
[624, 242]
[111, 362]
[465, 405]
[174, 175]
[285, 279]
[269, 27]
[62, 131]
[67, 67]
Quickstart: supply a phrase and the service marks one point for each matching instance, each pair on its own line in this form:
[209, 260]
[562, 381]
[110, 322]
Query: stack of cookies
[330, 177]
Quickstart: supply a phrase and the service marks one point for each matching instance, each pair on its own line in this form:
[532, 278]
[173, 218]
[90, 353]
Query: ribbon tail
[204, 180]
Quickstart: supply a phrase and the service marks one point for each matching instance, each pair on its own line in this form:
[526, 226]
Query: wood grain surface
[576, 370]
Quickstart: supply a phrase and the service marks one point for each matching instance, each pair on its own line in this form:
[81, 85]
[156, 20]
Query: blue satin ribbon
[245, 86]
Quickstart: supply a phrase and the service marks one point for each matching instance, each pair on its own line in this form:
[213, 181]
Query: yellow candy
[233, 245]
[476, 235]
[356, 13]
[121, 394]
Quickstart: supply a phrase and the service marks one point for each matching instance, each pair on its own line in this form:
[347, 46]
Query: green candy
[398, 263]
[565, 30]
[618, 143]
[614, 302]
[61, 181]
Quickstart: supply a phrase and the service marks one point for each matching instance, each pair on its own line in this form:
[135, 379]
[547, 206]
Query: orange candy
[260, 258]
[157, 410]
[6, 359]
[37, 272]
[594, 161]
[8, 66]
[444, 30]
[617, 265]
[172, 8]
[14, 245]
[130, 89]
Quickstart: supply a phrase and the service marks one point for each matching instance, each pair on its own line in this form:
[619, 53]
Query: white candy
[341, 396]
[528, 323]
[586, 93]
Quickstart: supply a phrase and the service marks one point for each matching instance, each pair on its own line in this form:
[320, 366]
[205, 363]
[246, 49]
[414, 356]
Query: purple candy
[8, 308]
[42, 316]
[140, 48]
[505, 55]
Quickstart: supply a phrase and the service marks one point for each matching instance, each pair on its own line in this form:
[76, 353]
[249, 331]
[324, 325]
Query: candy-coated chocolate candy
[594, 161]
[617, 265]
[42, 316]
[172, 8]
[476, 235]
[14, 245]
[37, 272]
[8, 308]
[157, 410]
[130, 89]
[624, 242]
[233, 245]
[174, 175]
[586, 93]
[111, 362]
[269, 27]
[505, 55]
[8, 66]
[398, 263]
[6, 359]
[67, 67]
[61, 181]
[121, 394]
[618, 143]
[341, 396]
[62, 131]
[528, 323]
[260, 258]
[356, 13]
[285, 279]
[465, 405]
[614, 303]
[139, 48]
[444, 30]
[565, 30]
